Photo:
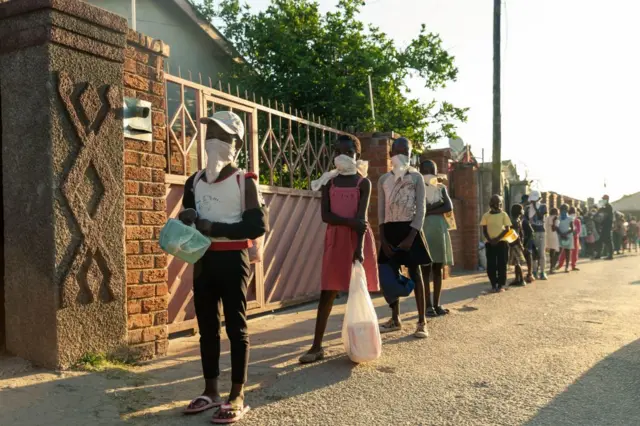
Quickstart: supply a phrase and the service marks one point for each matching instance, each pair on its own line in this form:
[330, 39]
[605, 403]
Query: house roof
[187, 7]
[628, 203]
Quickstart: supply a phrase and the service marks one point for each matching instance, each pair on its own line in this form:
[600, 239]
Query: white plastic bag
[360, 332]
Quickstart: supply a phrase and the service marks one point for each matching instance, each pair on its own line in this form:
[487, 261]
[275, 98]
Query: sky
[570, 87]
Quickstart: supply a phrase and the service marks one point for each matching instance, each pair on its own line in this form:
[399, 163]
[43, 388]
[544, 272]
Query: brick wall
[375, 149]
[464, 181]
[145, 205]
[439, 156]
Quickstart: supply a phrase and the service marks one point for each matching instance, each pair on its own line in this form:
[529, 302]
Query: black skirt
[395, 233]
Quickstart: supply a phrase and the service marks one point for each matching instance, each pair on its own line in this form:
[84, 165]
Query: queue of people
[564, 234]
[415, 216]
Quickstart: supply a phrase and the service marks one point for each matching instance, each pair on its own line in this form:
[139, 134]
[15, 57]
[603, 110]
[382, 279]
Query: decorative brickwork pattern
[145, 203]
[91, 193]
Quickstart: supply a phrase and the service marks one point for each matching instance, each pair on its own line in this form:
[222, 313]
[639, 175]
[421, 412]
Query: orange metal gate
[287, 151]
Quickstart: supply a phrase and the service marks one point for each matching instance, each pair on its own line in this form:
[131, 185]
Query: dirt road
[561, 352]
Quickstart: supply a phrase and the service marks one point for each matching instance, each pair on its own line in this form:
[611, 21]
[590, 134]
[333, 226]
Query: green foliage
[320, 64]
[100, 362]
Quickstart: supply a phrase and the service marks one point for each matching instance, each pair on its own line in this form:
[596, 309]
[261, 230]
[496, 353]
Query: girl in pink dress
[345, 200]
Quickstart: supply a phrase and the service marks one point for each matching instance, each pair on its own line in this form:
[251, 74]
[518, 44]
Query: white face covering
[345, 165]
[401, 165]
[219, 155]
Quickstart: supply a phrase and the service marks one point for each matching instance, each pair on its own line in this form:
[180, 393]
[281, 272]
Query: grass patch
[122, 360]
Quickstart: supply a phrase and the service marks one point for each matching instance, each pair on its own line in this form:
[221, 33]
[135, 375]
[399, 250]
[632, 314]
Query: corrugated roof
[628, 203]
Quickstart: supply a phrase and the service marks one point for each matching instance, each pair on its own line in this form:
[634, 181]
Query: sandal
[421, 331]
[311, 357]
[431, 312]
[441, 311]
[230, 413]
[390, 326]
[191, 409]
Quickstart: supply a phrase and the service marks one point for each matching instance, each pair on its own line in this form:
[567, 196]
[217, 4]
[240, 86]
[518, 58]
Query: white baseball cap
[229, 121]
[534, 196]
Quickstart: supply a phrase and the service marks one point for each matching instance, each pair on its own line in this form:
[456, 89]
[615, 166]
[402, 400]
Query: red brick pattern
[147, 291]
[465, 239]
[375, 149]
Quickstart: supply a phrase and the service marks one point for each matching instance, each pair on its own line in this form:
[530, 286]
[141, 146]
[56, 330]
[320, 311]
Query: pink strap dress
[340, 242]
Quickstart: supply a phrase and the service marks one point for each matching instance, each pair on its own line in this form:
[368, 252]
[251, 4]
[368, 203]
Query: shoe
[575, 269]
[421, 331]
[310, 358]
[609, 258]
[544, 277]
[390, 326]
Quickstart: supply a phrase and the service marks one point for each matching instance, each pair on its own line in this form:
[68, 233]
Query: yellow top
[495, 223]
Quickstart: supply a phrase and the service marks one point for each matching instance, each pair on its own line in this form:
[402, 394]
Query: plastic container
[511, 236]
[182, 241]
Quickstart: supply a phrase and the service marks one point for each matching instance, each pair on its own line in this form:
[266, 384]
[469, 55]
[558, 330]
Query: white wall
[191, 48]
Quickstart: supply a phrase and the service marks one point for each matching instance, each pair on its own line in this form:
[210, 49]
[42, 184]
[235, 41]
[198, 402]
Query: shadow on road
[157, 392]
[605, 395]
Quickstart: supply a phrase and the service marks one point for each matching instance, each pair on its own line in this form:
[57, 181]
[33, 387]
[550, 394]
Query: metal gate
[287, 151]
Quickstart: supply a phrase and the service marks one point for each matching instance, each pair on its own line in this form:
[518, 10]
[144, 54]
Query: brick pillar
[61, 71]
[147, 292]
[375, 149]
[439, 156]
[464, 181]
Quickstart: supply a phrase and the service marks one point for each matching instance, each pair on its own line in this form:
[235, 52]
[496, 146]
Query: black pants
[497, 260]
[605, 244]
[222, 276]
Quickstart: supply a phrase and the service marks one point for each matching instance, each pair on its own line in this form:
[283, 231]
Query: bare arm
[363, 208]
[485, 232]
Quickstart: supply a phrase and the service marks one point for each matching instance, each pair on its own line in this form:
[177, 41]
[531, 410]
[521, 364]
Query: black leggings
[497, 259]
[222, 276]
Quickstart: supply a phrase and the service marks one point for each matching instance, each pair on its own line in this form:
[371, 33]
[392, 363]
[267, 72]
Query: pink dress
[340, 242]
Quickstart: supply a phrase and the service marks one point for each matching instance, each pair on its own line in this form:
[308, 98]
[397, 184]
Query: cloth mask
[345, 166]
[219, 155]
[401, 165]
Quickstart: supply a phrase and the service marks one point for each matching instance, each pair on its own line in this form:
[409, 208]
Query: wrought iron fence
[291, 150]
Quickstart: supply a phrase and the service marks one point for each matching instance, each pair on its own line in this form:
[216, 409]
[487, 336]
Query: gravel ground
[561, 352]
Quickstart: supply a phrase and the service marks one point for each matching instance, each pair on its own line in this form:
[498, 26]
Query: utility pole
[134, 18]
[497, 117]
[373, 110]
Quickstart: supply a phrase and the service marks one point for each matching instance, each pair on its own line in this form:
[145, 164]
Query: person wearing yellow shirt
[495, 225]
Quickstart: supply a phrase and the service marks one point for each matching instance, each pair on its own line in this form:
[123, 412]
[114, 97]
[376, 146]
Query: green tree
[321, 63]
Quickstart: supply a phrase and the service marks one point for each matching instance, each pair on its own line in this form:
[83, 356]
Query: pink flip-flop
[226, 408]
[210, 404]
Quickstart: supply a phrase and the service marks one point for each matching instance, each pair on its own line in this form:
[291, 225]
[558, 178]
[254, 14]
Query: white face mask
[219, 155]
[400, 165]
[346, 165]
